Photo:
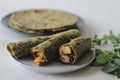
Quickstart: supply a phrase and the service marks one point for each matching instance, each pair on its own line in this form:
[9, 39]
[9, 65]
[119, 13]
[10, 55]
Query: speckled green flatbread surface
[41, 21]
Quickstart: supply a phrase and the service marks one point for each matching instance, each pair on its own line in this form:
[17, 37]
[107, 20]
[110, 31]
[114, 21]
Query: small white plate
[52, 68]
[55, 67]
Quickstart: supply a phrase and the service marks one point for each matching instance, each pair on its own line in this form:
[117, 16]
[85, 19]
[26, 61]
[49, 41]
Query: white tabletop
[100, 17]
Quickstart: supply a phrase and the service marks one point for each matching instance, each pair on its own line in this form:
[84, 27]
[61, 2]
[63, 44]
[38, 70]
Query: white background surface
[100, 16]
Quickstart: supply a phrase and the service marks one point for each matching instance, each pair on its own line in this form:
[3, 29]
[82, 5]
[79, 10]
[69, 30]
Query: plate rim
[43, 69]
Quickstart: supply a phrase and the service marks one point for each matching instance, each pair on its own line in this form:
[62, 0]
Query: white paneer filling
[65, 59]
[66, 50]
[65, 53]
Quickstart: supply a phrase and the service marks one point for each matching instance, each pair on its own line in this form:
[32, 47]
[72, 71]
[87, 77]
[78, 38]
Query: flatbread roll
[72, 51]
[47, 51]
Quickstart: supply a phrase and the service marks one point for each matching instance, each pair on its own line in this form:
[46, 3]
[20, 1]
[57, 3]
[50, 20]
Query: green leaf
[96, 40]
[94, 62]
[117, 73]
[104, 39]
[117, 61]
[118, 38]
[114, 39]
[104, 58]
[109, 68]
[110, 60]
[117, 52]
[98, 52]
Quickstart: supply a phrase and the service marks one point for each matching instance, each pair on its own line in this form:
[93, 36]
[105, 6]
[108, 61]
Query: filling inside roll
[66, 54]
[40, 60]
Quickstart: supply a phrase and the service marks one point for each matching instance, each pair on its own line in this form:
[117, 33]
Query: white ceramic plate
[56, 67]
[53, 68]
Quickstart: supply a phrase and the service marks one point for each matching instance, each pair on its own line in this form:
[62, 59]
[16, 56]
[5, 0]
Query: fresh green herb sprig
[109, 60]
[113, 39]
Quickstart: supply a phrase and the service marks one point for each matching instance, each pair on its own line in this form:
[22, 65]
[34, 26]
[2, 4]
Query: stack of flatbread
[42, 21]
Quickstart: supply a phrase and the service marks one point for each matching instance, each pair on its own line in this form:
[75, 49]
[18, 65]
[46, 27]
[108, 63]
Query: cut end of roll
[66, 54]
[40, 60]
[10, 49]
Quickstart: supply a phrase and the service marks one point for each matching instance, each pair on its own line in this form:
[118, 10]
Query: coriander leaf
[117, 52]
[104, 58]
[117, 73]
[110, 60]
[117, 61]
[96, 40]
[109, 68]
[104, 39]
[114, 39]
[98, 52]
[118, 38]
[94, 62]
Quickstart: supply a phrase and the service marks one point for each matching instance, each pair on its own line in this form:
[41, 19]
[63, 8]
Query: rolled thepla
[72, 51]
[21, 49]
[47, 51]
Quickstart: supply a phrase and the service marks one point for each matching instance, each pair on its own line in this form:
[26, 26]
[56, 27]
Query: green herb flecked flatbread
[47, 51]
[41, 21]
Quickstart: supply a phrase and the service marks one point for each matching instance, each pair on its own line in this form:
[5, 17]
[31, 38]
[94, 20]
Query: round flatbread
[40, 21]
